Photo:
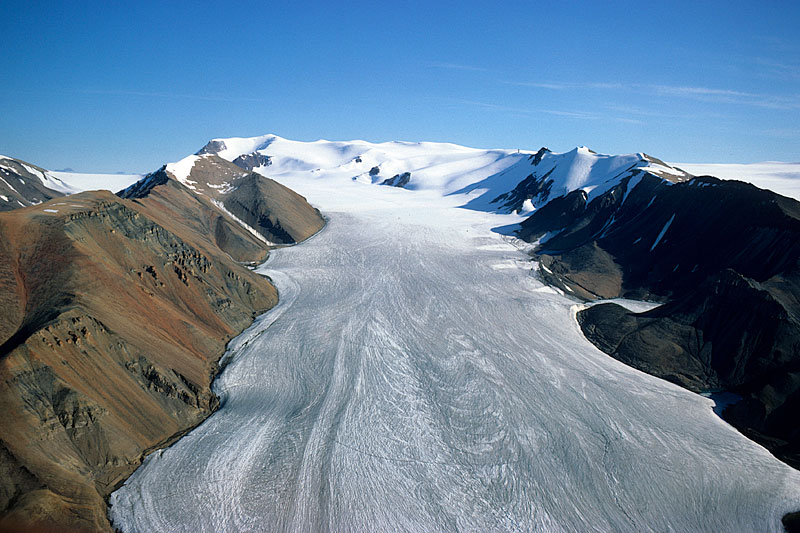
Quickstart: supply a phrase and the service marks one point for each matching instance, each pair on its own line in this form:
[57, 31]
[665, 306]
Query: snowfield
[78, 182]
[416, 376]
[782, 178]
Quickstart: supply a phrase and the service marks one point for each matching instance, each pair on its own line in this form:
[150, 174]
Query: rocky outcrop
[114, 314]
[115, 311]
[252, 161]
[398, 180]
[173, 205]
[212, 147]
[791, 522]
[725, 256]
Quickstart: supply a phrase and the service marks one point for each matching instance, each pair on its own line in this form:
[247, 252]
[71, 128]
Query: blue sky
[127, 86]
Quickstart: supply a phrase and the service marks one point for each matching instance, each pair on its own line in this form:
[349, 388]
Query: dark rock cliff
[724, 255]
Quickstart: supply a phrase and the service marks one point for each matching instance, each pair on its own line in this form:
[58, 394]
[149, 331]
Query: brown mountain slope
[114, 314]
[275, 212]
[176, 207]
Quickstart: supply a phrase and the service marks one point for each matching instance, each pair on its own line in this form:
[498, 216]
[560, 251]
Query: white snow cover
[632, 183]
[782, 178]
[441, 167]
[416, 377]
[48, 179]
[433, 166]
[662, 232]
[595, 173]
[8, 184]
[181, 170]
[82, 181]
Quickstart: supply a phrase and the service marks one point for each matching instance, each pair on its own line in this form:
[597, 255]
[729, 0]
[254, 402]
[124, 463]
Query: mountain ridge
[116, 311]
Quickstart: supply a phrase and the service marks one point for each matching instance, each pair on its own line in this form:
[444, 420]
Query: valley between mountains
[429, 364]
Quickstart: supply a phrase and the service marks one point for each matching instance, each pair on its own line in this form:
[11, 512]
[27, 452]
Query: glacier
[417, 376]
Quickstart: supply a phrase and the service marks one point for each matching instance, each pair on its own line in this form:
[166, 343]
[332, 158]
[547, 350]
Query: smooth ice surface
[77, 181]
[782, 178]
[417, 377]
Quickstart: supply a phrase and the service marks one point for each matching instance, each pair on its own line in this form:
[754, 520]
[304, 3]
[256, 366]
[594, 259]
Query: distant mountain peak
[23, 184]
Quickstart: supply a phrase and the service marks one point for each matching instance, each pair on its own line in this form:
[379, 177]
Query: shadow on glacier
[494, 187]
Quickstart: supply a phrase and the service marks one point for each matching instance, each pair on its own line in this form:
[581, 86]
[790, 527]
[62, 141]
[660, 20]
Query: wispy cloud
[706, 94]
[575, 114]
[565, 86]
[697, 91]
[182, 96]
[457, 66]
[659, 113]
[784, 133]
[727, 96]
[489, 105]
[780, 69]
[638, 111]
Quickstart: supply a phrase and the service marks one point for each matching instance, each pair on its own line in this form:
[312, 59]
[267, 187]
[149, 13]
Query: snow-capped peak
[181, 170]
[443, 167]
[582, 168]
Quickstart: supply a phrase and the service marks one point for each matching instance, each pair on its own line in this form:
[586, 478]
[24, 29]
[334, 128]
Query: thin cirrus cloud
[558, 86]
[457, 66]
[180, 96]
[579, 115]
[779, 69]
[727, 96]
[708, 94]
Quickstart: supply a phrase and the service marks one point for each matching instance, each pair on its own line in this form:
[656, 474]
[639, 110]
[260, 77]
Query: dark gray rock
[213, 147]
[142, 188]
[251, 161]
[398, 180]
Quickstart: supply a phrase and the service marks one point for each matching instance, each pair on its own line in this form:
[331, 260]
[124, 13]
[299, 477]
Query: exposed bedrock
[112, 325]
[724, 257]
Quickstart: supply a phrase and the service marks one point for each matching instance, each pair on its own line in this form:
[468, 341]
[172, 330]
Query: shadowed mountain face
[23, 184]
[545, 177]
[666, 238]
[251, 161]
[115, 311]
[726, 258]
